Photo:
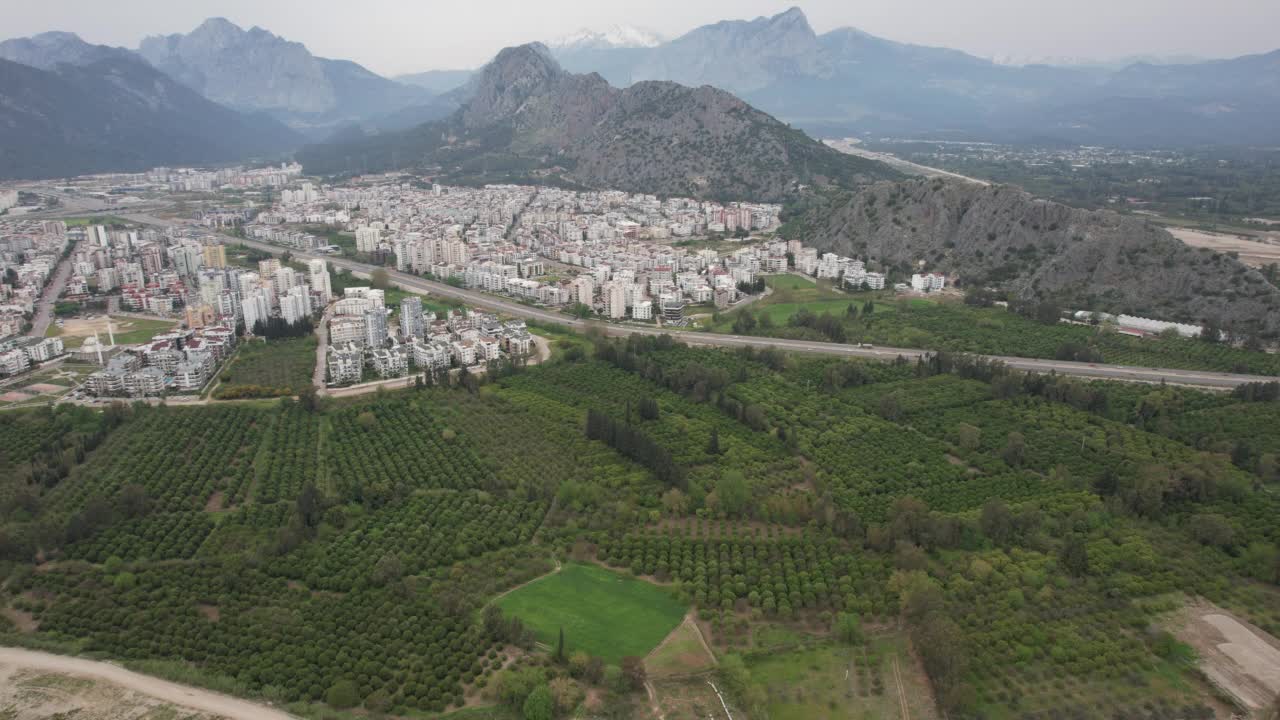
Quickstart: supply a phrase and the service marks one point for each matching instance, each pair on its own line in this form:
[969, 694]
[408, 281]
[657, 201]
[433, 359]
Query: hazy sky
[396, 36]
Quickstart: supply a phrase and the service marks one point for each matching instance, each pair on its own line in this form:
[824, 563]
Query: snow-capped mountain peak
[618, 36]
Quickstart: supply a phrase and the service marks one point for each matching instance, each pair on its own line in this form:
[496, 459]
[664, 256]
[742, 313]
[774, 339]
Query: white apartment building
[614, 295]
[347, 330]
[931, 282]
[368, 239]
[642, 310]
[345, 364]
[412, 322]
[318, 278]
[375, 328]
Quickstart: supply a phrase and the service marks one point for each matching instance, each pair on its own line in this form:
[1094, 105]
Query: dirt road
[190, 697]
[1256, 250]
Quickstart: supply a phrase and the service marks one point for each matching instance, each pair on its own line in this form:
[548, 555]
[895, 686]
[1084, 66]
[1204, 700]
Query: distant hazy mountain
[525, 118]
[437, 82]
[847, 82]
[254, 70]
[1000, 235]
[117, 113]
[47, 50]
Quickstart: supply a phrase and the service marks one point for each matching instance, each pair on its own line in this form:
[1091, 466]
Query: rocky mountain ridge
[524, 117]
[257, 71]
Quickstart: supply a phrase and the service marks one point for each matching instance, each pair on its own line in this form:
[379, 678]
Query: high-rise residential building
[284, 280]
[615, 300]
[375, 328]
[367, 239]
[255, 308]
[318, 277]
[411, 321]
[186, 260]
[215, 256]
[295, 306]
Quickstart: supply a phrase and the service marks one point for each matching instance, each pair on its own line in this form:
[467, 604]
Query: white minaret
[110, 335]
[98, 346]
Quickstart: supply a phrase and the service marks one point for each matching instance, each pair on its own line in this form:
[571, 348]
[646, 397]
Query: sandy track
[185, 696]
[1258, 250]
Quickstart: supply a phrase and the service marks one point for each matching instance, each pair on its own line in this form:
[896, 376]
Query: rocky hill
[119, 114]
[524, 117]
[257, 71]
[1002, 236]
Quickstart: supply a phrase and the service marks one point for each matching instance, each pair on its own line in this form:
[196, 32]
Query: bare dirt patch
[211, 612]
[24, 621]
[1237, 657]
[46, 388]
[40, 685]
[215, 502]
[1256, 250]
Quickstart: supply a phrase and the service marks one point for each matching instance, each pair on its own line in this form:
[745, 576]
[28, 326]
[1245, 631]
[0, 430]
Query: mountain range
[523, 117]
[846, 82]
[256, 71]
[71, 108]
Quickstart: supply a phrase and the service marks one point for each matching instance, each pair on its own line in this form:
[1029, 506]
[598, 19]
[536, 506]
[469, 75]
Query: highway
[1195, 378]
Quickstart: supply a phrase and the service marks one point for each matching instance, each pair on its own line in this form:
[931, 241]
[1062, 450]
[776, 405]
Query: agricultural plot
[179, 457]
[877, 680]
[1026, 538]
[603, 613]
[270, 368]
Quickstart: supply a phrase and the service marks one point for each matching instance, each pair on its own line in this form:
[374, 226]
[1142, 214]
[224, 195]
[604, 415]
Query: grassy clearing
[269, 368]
[789, 282]
[682, 653]
[792, 293]
[603, 613]
[843, 682]
[127, 330]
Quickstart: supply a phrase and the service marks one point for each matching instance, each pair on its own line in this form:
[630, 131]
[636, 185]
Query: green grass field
[608, 615]
[790, 282]
[791, 293]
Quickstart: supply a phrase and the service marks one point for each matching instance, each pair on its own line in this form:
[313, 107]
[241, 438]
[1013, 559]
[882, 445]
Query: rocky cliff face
[526, 117]
[1002, 236]
[254, 70]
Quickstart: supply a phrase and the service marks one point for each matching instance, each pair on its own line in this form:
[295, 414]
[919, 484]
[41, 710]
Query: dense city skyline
[393, 38]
